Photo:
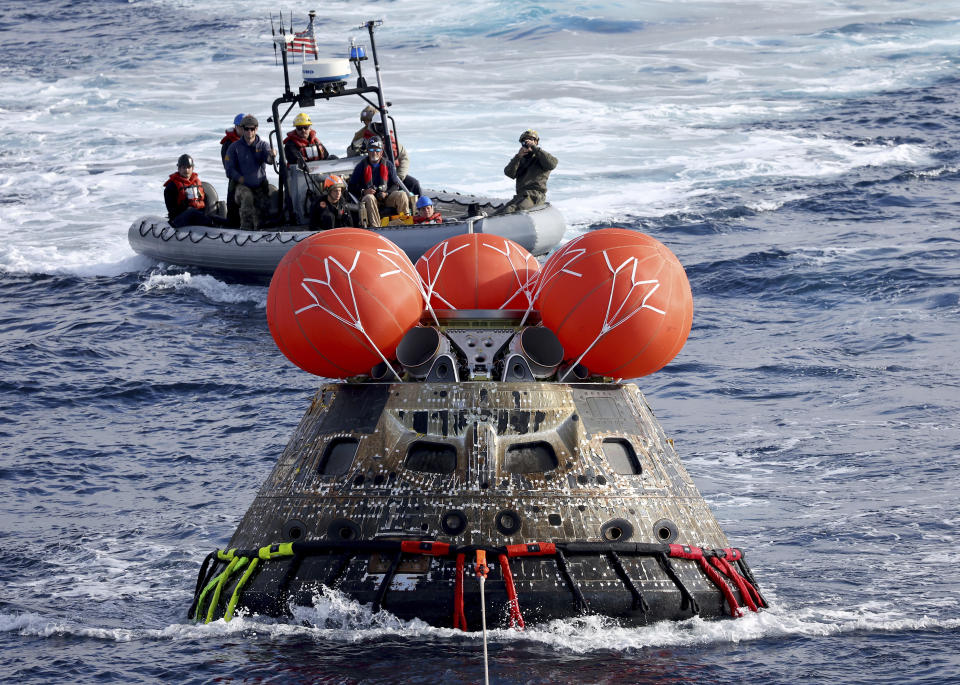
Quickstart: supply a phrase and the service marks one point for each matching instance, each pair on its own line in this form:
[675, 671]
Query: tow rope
[726, 569]
[482, 570]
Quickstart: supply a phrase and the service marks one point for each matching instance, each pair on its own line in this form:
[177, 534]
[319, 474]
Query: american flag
[304, 42]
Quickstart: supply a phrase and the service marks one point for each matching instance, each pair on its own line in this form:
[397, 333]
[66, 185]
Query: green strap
[212, 584]
[235, 565]
[237, 590]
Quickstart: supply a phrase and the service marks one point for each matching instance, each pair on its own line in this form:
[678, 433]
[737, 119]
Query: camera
[529, 144]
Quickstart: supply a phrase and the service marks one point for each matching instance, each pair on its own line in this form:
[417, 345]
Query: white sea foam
[208, 286]
[339, 620]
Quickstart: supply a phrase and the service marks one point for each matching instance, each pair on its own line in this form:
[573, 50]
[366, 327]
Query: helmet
[302, 119]
[375, 144]
[424, 201]
[333, 181]
[377, 118]
[529, 134]
[367, 113]
[237, 119]
[185, 160]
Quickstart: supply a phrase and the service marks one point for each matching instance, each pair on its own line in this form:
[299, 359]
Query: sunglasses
[302, 128]
[249, 128]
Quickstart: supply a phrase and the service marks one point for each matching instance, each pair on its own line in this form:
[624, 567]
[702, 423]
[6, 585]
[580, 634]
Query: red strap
[515, 615]
[686, 552]
[747, 592]
[433, 549]
[722, 584]
[533, 549]
[731, 554]
[459, 620]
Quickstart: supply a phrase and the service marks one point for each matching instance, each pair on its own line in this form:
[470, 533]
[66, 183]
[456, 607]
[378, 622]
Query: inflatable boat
[257, 253]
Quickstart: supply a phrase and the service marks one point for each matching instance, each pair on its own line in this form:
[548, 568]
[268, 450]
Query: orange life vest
[230, 137]
[189, 190]
[311, 149]
[434, 219]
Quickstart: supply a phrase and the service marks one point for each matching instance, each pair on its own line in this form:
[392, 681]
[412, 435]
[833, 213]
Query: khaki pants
[254, 204]
[527, 200]
[370, 208]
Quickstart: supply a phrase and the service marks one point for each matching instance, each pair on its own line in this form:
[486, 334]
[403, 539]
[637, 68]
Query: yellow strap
[284, 549]
[237, 590]
[234, 566]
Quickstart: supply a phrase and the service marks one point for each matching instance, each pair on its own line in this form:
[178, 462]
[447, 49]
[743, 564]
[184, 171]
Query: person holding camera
[531, 168]
[374, 180]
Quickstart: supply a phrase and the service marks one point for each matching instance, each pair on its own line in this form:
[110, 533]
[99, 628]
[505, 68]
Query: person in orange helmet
[331, 211]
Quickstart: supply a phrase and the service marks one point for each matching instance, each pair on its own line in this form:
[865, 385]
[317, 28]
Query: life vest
[311, 149]
[189, 190]
[435, 219]
[368, 174]
[368, 134]
[230, 137]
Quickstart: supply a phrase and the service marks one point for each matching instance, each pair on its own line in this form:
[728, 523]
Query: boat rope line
[725, 568]
[239, 238]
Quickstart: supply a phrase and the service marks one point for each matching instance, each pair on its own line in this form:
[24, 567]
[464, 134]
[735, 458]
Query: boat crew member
[375, 129]
[331, 211]
[231, 135]
[531, 167]
[426, 214]
[358, 146]
[246, 164]
[374, 180]
[302, 142]
[184, 196]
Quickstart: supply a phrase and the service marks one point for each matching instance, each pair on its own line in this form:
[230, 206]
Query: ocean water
[801, 158]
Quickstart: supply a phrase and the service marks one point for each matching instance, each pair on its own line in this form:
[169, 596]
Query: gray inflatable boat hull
[259, 252]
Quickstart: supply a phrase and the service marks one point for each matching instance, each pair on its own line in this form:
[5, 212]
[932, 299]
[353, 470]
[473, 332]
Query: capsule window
[621, 456]
[431, 457]
[338, 457]
[530, 457]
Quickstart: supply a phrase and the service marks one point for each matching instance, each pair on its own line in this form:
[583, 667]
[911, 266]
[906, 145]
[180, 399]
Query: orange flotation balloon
[478, 271]
[341, 300]
[618, 300]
